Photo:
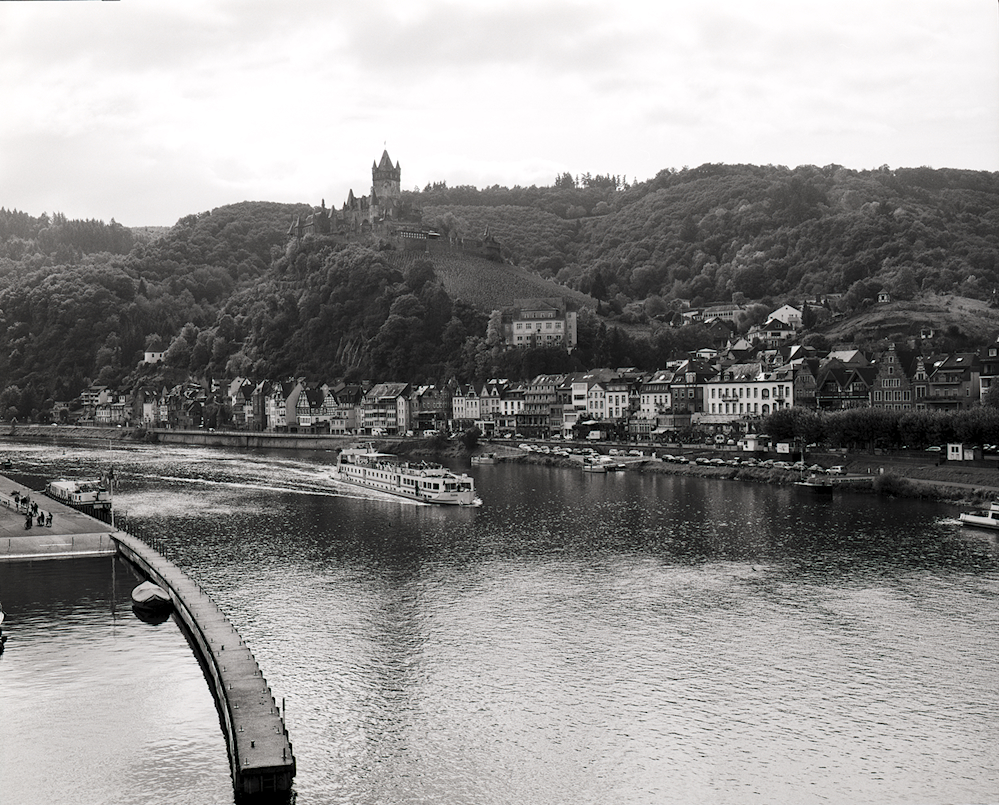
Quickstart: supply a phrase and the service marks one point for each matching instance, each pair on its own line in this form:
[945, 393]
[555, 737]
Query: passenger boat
[88, 495]
[422, 481]
[484, 458]
[151, 598]
[813, 483]
[983, 518]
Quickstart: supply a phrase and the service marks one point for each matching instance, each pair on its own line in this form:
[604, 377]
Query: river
[580, 638]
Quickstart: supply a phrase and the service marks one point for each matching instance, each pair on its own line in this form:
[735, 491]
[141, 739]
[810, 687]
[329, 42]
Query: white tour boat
[423, 481]
[984, 518]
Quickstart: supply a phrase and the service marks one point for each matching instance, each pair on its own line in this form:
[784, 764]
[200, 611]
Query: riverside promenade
[72, 533]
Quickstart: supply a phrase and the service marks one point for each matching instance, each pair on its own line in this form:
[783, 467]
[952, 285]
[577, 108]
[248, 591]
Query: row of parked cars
[796, 466]
[556, 451]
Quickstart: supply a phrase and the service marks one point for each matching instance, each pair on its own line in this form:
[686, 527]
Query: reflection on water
[580, 638]
[95, 705]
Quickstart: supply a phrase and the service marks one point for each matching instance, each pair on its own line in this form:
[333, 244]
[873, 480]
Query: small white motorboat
[151, 598]
[983, 518]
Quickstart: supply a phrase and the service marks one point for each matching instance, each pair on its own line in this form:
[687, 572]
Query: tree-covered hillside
[226, 292]
[81, 300]
[722, 232]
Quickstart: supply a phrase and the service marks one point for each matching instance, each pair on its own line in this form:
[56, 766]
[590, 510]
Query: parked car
[836, 470]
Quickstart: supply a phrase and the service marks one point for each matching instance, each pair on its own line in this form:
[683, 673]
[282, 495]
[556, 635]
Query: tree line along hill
[226, 292]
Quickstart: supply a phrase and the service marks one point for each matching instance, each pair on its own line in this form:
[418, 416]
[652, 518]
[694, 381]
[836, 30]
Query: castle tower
[385, 182]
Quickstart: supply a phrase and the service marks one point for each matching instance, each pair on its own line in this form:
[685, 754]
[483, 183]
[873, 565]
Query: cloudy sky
[148, 110]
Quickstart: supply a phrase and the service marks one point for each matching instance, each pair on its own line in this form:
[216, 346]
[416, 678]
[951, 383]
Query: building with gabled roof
[316, 408]
[772, 334]
[386, 409]
[840, 385]
[788, 314]
[893, 383]
[953, 383]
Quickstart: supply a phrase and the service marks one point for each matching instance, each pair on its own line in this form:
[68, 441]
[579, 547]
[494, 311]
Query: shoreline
[908, 476]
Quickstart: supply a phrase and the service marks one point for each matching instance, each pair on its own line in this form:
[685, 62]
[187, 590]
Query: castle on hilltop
[387, 215]
[367, 214]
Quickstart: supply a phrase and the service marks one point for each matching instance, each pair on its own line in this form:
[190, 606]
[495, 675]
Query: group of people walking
[32, 514]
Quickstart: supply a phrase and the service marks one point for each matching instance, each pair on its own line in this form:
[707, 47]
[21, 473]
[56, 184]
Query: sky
[148, 110]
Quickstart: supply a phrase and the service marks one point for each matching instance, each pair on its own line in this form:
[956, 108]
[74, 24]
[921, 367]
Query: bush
[890, 485]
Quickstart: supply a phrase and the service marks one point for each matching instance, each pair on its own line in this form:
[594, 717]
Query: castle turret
[386, 180]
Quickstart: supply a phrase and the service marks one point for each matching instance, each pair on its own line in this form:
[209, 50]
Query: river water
[579, 639]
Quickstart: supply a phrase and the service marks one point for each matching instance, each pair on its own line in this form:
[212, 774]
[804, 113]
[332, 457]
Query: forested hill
[225, 292]
[81, 300]
[716, 232]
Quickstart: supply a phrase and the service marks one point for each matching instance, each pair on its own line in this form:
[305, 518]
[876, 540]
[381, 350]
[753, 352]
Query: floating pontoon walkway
[260, 754]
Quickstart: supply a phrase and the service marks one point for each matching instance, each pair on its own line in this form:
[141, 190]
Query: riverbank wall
[198, 438]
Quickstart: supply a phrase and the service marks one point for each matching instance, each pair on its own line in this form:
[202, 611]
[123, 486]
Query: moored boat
[151, 598]
[423, 481]
[484, 458]
[813, 483]
[88, 495]
[589, 465]
[983, 518]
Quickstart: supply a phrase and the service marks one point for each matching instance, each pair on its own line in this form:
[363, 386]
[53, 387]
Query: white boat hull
[985, 520]
[151, 597]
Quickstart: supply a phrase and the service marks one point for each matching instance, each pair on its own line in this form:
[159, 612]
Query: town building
[539, 323]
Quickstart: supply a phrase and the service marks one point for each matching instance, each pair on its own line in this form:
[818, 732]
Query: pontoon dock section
[260, 753]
